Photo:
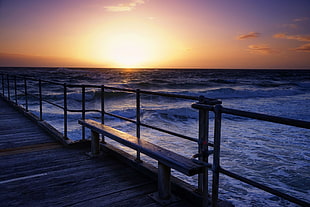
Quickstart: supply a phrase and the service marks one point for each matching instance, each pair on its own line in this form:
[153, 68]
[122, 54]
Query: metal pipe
[40, 98]
[83, 111]
[61, 107]
[79, 110]
[102, 110]
[216, 155]
[170, 132]
[265, 188]
[26, 93]
[138, 124]
[102, 104]
[155, 128]
[264, 117]
[2, 84]
[8, 83]
[15, 90]
[65, 112]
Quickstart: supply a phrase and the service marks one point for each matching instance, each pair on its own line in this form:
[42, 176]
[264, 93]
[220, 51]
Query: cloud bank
[124, 6]
[303, 48]
[248, 36]
[303, 38]
[262, 49]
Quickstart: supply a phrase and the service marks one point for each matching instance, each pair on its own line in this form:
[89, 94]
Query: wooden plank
[46, 174]
[163, 155]
[29, 148]
[76, 184]
[131, 196]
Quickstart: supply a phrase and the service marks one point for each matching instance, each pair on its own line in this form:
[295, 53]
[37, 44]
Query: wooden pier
[36, 170]
[40, 169]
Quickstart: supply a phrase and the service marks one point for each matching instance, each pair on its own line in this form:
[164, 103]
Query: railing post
[204, 106]
[8, 83]
[216, 155]
[26, 93]
[83, 110]
[65, 112]
[15, 90]
[203, 151]
[102, 110]
[138, 122]
[2, 84]
[40, 98]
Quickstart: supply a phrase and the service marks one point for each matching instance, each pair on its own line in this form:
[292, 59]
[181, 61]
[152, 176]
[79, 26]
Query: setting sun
[129, 50]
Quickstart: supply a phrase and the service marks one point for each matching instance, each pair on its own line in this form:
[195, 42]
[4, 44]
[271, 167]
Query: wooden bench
[166, 158]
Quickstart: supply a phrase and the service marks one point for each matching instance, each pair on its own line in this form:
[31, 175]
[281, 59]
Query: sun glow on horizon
[127, 50]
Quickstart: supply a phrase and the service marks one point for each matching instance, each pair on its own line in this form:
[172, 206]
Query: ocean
[269, 153]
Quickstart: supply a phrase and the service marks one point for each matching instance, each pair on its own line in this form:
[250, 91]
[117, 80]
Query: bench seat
[162, 155]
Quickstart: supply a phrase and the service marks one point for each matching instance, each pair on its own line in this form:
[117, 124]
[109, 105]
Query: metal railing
[204, 108]
[15, 84]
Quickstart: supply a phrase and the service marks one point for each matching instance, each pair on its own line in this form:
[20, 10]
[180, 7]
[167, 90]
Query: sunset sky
[155, 33]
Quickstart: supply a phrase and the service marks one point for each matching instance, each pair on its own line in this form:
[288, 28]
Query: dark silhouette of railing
[15, 84]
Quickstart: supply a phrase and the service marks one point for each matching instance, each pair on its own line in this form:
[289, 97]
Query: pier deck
[38, 171]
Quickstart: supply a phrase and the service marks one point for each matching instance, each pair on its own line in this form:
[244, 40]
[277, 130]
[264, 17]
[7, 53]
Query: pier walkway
[38, 171]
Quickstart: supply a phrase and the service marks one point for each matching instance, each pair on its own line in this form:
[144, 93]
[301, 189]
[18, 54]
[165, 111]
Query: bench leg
[95, 147]
[164, 186]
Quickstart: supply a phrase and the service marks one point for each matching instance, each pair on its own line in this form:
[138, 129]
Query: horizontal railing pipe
[56, 105]
[263, 117]
[120, 117]
[264, 187]
[170, 132]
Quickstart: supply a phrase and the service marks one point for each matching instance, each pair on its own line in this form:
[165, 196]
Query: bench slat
[169, 158]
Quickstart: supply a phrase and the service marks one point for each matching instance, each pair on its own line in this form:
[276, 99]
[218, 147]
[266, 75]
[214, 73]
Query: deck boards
[37, 171]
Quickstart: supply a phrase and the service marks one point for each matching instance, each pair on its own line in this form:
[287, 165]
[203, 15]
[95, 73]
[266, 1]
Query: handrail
[204, 105]
[217, 169]
[264, 187]
[84, 110]
[264, 117]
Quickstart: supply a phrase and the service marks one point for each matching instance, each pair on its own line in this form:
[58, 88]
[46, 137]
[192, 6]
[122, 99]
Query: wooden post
[203, 152]
[95, 147]
[164, 186]
[216, 156]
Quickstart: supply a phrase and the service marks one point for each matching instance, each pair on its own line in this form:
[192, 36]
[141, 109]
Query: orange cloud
[303, 38]
[303, 48]
[124, 6]
[261, 49]
[248, 36]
